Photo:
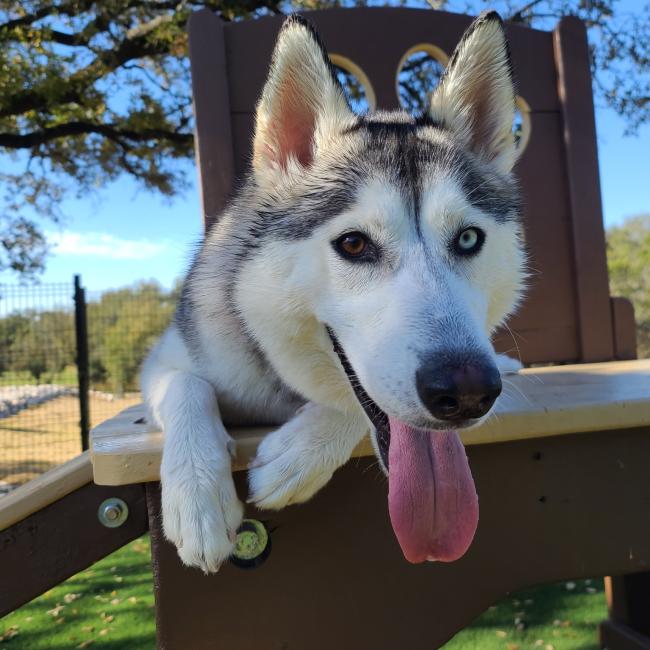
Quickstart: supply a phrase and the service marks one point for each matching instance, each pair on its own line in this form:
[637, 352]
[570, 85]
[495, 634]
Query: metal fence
[68, 360]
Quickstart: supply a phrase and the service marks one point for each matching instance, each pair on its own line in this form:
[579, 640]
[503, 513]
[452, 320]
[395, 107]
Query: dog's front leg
[299, 458]
[200, 508]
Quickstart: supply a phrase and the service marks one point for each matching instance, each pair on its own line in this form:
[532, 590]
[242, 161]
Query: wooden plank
[628, 601]
[214, 152]
[616, 636]
[536, 403]
[576, 99]
[62, 539]
[561, 508]
[388, 33]
[624, 328]
[45, 489]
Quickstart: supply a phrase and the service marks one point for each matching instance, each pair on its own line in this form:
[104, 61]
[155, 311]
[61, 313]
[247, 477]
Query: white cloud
[104, 245]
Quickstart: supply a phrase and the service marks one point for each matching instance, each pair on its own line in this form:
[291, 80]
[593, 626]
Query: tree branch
[110, 131]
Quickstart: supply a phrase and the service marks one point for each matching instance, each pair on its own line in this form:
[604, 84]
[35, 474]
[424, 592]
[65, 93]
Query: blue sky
[122, 234]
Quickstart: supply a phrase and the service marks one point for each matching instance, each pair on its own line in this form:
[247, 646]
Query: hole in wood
[356, 85]
[418, 74]
[521, 125]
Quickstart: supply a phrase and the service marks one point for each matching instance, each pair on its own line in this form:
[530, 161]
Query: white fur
[480, 71]
[416, 302]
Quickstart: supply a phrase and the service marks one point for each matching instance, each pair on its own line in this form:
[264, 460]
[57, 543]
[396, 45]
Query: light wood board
[45, 490]
[536, 402]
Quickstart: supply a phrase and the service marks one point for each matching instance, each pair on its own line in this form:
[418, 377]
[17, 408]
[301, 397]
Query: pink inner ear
[292, 133]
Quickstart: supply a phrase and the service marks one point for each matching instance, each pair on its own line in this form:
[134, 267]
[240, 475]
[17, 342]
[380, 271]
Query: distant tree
[628, 256]
[12, 327]
[123, 325]
[29, 352]
[41, 343]
[92, 90]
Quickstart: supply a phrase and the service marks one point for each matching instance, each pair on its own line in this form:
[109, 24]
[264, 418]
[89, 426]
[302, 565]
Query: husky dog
[350, 287]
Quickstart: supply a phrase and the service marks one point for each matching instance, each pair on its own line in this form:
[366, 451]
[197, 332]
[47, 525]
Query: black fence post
[81, 330]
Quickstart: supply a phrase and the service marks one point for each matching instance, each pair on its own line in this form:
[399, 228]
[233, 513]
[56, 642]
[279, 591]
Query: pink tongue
[431, 495]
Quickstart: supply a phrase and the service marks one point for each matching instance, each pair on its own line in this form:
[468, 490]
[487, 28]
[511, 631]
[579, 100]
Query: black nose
[459, 390]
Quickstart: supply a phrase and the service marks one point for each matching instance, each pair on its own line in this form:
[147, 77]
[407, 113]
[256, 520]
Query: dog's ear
[302, 103]
[476, 98]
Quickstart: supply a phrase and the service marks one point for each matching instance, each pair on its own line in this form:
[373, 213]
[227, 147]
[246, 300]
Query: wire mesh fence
[42, 359]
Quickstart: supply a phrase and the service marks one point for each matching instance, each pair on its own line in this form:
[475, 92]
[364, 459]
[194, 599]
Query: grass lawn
[66, 377]
[110, 607]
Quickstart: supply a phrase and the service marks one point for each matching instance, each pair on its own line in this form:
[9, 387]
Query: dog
[350, 287]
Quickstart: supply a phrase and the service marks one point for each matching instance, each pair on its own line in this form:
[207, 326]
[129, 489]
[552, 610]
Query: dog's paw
[507, 365]
[201, 518]
[288, 468]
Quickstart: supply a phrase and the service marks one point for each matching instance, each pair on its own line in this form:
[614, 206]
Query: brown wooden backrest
[568, 314]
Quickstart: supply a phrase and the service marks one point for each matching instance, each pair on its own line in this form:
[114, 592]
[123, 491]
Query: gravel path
[14, 399]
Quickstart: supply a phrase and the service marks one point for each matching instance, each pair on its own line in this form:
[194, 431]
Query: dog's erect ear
[302, 102]
[476, 96]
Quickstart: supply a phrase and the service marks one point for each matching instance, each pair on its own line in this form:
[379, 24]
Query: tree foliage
[122, 326]
[628, 257]
[92, 90]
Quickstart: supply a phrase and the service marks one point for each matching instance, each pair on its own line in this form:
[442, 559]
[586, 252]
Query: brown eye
[352, 244]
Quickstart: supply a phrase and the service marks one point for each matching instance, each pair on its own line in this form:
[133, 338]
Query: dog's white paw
[288, 468]
[201, 517]
[507, 365]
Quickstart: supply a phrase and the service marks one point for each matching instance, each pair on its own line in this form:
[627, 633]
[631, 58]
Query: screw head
[112, 512]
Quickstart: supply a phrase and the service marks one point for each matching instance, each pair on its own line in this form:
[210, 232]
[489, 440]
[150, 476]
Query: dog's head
[400, 235]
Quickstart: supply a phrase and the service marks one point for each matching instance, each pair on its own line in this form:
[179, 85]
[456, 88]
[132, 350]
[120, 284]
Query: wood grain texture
[536, 403]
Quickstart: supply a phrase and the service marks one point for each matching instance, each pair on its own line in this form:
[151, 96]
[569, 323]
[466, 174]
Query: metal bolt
[252, 544]
[113, 512]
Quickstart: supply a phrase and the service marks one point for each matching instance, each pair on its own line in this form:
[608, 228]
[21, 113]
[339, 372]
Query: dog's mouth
[378, 418]
[432, 500]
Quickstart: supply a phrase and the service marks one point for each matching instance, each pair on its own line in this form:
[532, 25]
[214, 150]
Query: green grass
[110, 607]
[67, 377]
[564, 616]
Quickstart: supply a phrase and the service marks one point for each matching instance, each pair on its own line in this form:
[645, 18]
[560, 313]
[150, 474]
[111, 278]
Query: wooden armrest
[45, 490]
[536, 402]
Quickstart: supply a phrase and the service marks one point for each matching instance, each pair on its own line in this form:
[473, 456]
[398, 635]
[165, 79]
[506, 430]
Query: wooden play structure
[562, 473]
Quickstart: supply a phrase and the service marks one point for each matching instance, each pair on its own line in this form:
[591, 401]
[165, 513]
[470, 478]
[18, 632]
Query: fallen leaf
[9, 633]
[69, 598]
[55, 611]
[501, 634]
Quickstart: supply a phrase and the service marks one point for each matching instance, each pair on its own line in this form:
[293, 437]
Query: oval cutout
[356, 85]
[418, 74]
[521, 125]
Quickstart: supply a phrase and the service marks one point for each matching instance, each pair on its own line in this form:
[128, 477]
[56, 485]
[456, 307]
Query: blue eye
[469, 241]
